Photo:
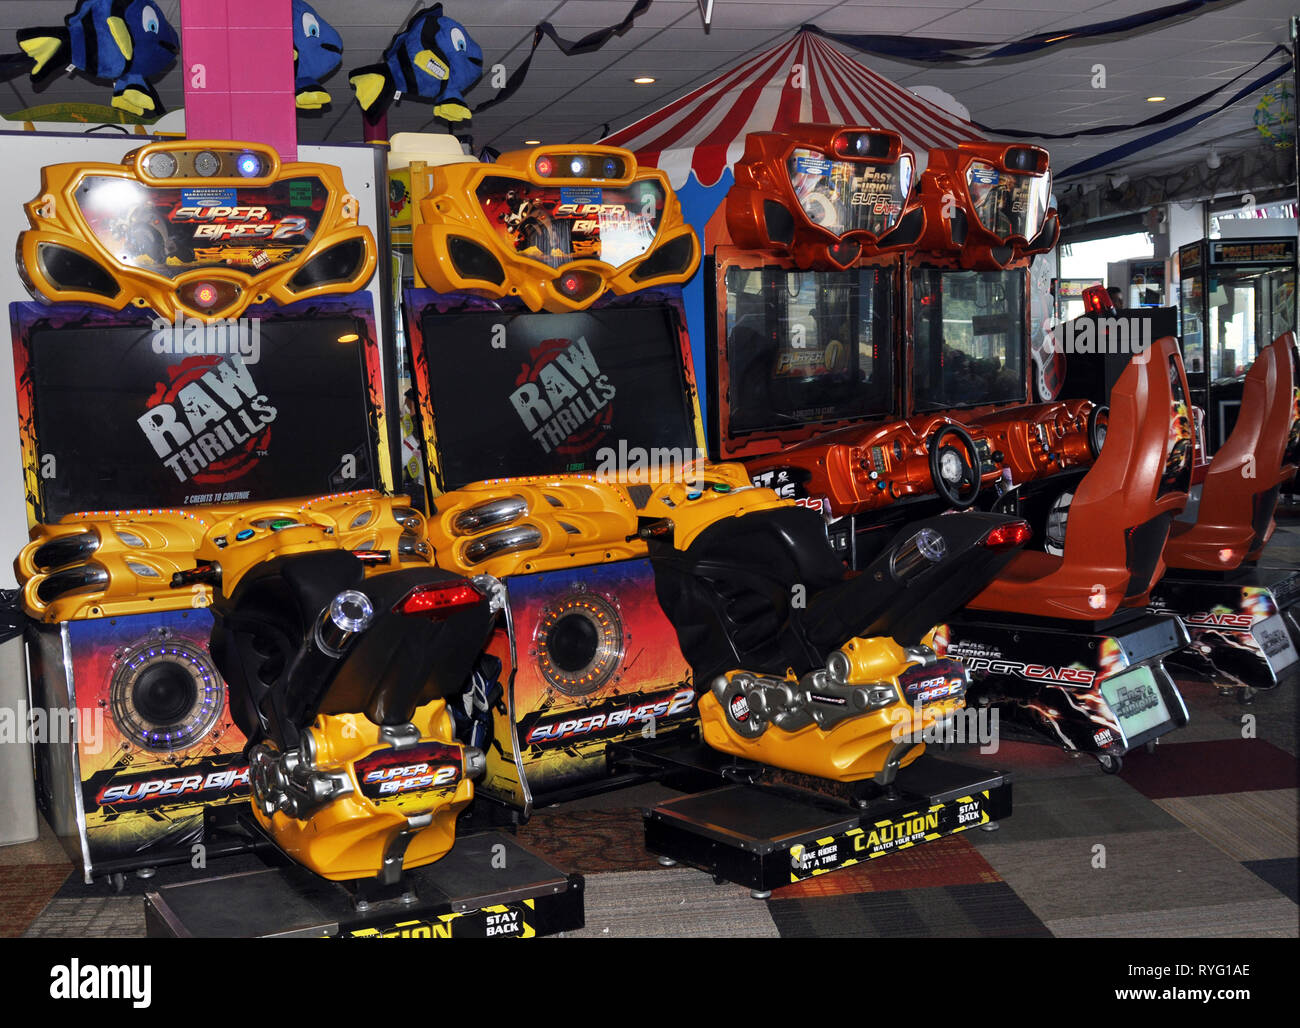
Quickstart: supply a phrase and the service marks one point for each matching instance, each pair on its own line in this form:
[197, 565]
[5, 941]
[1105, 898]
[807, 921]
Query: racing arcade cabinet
[560, 419]
[1064, 643]
[1241, 618]
[235, 370]
[971, 356]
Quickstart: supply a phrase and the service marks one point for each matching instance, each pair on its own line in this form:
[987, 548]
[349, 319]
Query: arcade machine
[805, 314]
[651, 598]
[237, 635]
[968, 426]
[1079, 666]
[1236, 296]
[1239, 611]
[988, 214]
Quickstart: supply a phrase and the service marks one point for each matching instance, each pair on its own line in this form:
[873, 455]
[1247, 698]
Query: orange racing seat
[1235, 516]
[1121, 513]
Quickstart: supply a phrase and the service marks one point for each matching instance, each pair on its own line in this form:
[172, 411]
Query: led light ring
[584, 612]
[188, 726]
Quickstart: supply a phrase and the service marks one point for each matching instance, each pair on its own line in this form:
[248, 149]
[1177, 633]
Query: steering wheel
[956, 476]
[1098, 419]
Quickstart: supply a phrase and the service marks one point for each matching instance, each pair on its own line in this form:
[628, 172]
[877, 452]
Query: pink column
[237, 57]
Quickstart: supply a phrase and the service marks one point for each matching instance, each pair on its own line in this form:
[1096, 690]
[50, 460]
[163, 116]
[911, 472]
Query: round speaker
[166, 695]
[579, 643]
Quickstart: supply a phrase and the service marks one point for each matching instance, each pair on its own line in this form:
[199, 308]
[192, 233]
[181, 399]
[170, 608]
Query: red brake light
[438, 599]
[1009, 536]
[544, 166]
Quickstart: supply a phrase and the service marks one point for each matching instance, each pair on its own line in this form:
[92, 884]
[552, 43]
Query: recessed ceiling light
[532, 142]
[643, 80]
[1156, 99]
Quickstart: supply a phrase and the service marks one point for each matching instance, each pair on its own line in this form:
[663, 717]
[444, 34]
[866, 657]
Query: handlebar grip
[203, 574]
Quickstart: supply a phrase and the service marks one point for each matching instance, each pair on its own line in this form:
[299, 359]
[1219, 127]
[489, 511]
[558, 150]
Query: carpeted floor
[1195, 839]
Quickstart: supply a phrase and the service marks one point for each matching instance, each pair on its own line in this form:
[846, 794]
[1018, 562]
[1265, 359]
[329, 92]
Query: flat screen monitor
[129, 411]
[517, 393]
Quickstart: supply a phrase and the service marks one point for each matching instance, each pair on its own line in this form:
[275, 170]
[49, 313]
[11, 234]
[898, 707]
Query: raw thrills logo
[561, 396]
[208, 423]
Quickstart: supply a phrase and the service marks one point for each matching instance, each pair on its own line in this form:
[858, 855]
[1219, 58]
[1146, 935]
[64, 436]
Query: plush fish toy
[128, 41]
[317, 51]
[433, 59]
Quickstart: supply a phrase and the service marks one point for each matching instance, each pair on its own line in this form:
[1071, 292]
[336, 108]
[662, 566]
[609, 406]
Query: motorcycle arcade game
[196, 609]
[564, 439]
[968, 430]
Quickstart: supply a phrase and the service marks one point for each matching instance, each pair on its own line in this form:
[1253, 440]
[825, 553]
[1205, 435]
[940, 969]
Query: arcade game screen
[969, 338]
[807, 346]
[146, 414]
[537, 394]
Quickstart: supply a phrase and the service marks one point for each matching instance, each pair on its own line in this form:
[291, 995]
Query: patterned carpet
[1195, 839]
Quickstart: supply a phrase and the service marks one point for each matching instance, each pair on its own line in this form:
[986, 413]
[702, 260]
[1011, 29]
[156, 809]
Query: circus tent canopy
[804, 79]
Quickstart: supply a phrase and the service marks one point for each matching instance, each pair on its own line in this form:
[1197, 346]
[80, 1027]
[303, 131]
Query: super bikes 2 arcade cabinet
[243, 635]
[648, 596]
[131, 396]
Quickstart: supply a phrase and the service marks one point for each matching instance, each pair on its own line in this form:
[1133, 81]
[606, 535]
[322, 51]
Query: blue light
[249, 165]
[611, 168]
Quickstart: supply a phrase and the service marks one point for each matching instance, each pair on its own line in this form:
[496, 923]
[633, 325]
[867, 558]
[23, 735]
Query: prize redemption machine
[206, 365]
[961, 427]
[648, 597]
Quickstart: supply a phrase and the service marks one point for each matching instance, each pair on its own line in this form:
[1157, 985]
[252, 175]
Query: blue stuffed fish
[317, 51]
[128, 41]
[433, 59]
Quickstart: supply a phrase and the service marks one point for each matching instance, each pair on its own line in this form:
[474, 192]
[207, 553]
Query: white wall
[1185, 226]
[1243, 228]
[26, 153]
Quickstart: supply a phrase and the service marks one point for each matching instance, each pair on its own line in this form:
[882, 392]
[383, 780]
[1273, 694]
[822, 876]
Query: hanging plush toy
[317, 51]
[432, 59]
[128, 41]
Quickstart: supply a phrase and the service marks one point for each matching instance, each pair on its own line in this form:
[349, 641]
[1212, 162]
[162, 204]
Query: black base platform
[764, 836]
[488, 886]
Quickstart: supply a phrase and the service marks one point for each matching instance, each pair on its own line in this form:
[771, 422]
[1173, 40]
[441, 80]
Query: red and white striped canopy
[705, 130]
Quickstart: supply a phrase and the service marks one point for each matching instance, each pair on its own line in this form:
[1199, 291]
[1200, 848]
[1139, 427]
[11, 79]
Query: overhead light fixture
[532, 142]
[349, 337]
[1156, 99]
[706, 12]
[643, 80]
[1213, 160]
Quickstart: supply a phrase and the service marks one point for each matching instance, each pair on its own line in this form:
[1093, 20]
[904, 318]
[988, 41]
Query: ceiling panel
[572, 98]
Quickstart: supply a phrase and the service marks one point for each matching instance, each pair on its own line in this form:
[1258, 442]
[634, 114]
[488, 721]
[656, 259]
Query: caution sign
[500, 921]
[807, 860]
